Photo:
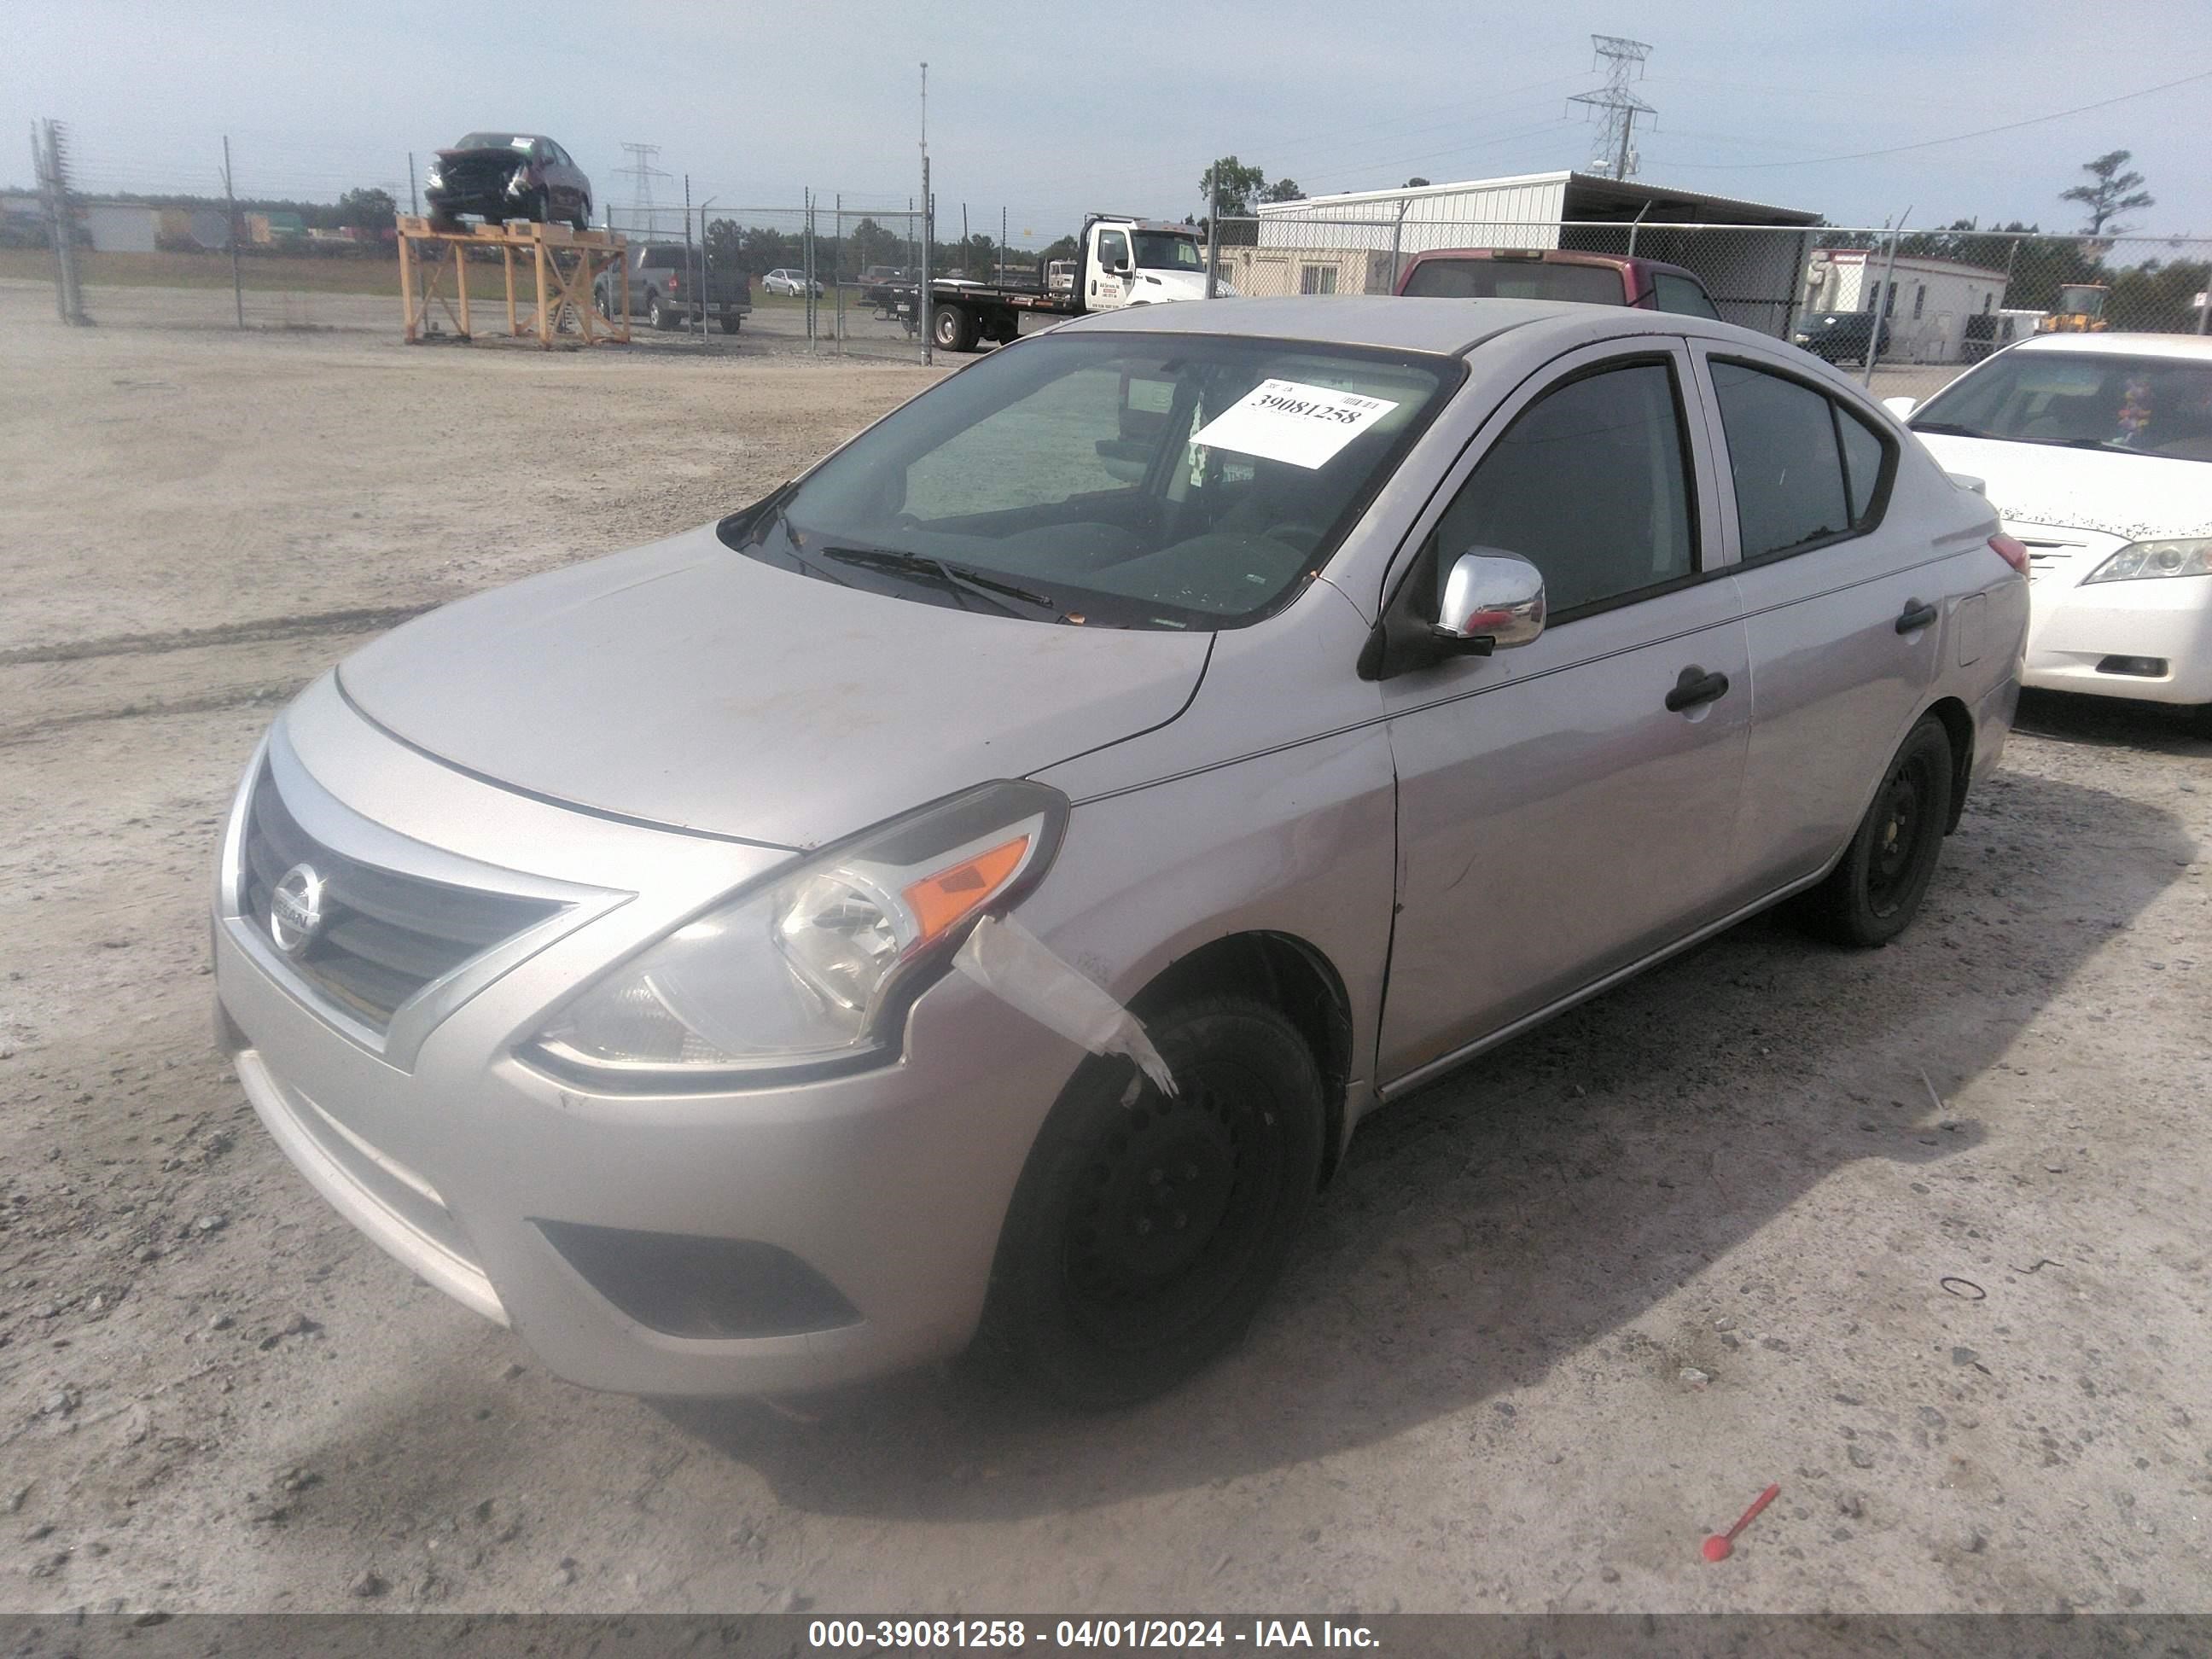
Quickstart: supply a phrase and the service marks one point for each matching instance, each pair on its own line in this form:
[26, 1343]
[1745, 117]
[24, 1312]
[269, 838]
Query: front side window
[1136, 481]
[2129, 404]
[1804, 469]
[1113, 249]
[1590, 484]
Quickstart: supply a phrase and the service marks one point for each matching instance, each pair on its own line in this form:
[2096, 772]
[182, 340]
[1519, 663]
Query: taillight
[2012, 552]
[675, 284]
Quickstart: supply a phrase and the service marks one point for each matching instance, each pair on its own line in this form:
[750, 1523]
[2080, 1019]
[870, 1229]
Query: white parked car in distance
[782, 281]
[2096, 450]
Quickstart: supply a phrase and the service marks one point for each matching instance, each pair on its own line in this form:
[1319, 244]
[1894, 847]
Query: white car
[782, 281]
[2096, 450]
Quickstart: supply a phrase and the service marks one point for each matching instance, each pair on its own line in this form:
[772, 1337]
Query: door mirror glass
[1900, 407]
[1491, 596]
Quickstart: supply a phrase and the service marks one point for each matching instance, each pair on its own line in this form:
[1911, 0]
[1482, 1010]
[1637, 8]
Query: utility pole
[414, 202]
[1884, 297]
[229, 195]
[924, 304]
[1623, 61]
[1212, 246]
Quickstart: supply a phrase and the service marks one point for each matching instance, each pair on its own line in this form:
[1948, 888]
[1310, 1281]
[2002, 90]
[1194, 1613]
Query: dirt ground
[1919, 1234]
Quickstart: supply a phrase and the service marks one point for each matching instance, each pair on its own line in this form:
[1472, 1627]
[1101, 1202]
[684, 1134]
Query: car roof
[1450, 327]
[2122, 345]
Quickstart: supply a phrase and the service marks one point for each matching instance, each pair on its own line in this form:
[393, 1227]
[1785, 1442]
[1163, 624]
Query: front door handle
[1916, 616]
[1696, 686]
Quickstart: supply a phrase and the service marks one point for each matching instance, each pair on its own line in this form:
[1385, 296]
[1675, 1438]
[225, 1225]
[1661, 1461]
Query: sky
[1045, 111]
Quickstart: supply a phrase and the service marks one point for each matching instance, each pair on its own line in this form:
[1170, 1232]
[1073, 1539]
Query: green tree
[1236, 185]
[367, 209]
[1414, 183]
[1283, 190]
[1065, 248]
[2111, 192]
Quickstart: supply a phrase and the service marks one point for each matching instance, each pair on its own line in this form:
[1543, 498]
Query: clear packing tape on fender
[1014, 965]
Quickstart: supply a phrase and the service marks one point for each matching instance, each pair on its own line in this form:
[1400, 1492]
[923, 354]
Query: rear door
[1558, 821]
[1842, 601]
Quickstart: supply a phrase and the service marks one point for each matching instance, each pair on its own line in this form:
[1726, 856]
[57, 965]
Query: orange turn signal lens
[941, 900]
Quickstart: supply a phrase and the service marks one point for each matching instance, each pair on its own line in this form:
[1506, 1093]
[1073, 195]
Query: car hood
[689, 685]
[2133, 496]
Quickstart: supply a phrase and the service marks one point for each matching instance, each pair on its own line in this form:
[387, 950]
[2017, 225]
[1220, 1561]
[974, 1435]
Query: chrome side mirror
[1493, 600]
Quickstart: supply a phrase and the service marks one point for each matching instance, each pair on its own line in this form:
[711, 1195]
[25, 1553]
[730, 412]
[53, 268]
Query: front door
[1107, 291]
[1557, 820]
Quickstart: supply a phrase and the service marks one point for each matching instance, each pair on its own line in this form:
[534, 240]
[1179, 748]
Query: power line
[1955, 138]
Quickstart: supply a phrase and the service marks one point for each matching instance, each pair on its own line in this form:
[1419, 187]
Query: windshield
[1515, 279]
[1158, 251]
[495, 141]
[2142, 406]
[1122, 480]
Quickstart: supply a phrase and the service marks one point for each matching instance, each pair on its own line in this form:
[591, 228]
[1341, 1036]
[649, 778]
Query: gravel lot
[1918, 1234]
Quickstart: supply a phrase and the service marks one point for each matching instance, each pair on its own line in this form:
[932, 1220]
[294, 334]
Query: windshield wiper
[953, 578]
[1947, 430]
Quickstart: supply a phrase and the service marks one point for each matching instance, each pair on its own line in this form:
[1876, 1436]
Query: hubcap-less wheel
[1877, 887]
[1177, 1200]
[1146, 1228]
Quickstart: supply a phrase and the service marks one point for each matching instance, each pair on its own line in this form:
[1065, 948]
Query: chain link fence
[1945, 299]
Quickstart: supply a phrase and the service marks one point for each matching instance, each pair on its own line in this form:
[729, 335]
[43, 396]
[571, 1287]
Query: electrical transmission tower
[641, 173]
[1623, 62]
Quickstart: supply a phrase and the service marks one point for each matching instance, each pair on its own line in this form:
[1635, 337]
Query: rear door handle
[1916, 616]
[1696, 686]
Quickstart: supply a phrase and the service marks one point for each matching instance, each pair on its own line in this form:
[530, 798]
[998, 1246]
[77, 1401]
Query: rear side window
[1515, 279]
[1590, 484]
[1805, 469]
[662, 258]
[1681, 295]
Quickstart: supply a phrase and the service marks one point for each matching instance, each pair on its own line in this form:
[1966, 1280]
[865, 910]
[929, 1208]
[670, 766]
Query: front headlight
[434, 177]
[2138, 560]
[816, 968]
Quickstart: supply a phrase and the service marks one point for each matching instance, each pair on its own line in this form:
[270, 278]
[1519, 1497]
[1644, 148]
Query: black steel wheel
[1147, 1228]
[1874, 891]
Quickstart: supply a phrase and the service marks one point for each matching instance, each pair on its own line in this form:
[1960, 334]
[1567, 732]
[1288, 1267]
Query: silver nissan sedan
[971, 896]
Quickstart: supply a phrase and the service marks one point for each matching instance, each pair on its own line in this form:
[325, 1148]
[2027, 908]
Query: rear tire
[1142, 1237]
[730, 324]
[659, 315]
[1873, 895]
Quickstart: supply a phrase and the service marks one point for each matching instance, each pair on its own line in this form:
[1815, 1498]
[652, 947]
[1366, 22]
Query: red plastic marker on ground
[1721, 1545]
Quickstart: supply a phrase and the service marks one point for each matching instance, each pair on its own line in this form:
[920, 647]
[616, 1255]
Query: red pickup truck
[1550, 273]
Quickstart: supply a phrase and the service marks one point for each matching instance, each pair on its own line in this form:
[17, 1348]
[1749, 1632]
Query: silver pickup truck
[670, 285]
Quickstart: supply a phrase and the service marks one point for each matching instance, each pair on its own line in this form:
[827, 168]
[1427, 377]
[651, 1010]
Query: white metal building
[1927, 301]
[1750, 255]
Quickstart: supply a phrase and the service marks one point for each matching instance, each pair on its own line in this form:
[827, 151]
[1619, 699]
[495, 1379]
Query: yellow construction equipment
[2081, 310]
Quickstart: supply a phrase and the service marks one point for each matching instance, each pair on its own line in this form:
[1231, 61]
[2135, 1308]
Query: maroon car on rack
[508, 175]
[1551, 273]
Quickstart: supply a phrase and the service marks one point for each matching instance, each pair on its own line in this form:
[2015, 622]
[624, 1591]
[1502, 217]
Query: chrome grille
[387, 934]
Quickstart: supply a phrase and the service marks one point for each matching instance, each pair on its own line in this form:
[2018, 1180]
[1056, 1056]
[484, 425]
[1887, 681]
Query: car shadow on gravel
[1524, 1210]
[2116, 722]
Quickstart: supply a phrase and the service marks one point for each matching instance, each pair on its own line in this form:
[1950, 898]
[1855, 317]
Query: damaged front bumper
[741, 1240]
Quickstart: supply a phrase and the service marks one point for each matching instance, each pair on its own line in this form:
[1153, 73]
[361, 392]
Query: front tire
[1142, 1236]
[659, 315]
[953, 328]
[1873, 895]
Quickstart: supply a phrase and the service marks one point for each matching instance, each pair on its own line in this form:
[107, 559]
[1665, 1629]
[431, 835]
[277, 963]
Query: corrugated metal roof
[1581, 197]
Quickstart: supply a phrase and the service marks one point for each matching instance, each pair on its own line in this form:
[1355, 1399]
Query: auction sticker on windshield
[1289, 421]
